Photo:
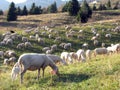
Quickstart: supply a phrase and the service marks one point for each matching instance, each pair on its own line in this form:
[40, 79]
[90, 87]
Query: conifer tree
[24, 11]
[73, 7]
[84, 13]
[109, 5]
[52, 8]
[12, 15]
[32, 9]
[1, 12]
[94, 7]
[19, 12]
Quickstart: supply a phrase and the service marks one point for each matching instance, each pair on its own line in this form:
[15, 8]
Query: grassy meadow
[99, 73]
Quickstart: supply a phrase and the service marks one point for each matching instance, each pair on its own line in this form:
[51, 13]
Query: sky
[16, 1]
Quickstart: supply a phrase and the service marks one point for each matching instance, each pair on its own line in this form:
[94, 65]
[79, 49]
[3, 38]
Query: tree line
[82, 11]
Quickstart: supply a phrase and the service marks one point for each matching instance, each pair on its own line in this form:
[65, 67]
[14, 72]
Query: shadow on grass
[73, 77]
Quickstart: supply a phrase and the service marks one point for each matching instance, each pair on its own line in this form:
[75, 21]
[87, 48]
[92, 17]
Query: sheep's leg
[21, 76]
[38, 73]
[43, 72]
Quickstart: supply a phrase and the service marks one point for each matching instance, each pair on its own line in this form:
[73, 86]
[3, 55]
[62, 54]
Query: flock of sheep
[35, 61]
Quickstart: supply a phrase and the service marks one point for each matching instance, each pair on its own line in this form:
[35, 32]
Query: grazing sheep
[99, 51]
[15, 71]
[20, 45]
[95, 42]
[9, 42]
[45, 49]
[10, 53]
[56, 59]
[81, 55]
[54, 47]
[62, 45]
[73, 55]
[49, 51]
[66, 56]
[41, 41]
[85, 46]
[88, 54]
[10, 61]
[67, 46]
[28, 44]
[34, 61]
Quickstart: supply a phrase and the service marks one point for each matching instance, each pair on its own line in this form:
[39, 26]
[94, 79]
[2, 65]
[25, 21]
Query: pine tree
[12, 15]
[1, 12]
[52, 8]
[32, 9]
[19, 12]
[24, 11]
[84, 13]
[65, 7]
[73, 7]
[94, 7]
[100, 7]
[109, 5]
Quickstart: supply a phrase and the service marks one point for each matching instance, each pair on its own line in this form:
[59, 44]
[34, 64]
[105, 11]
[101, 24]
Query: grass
[99, 73]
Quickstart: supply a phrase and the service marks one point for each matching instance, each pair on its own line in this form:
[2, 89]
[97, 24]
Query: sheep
[35, 61]
[56, 59]
[108, 35]
[73, 55]
[45, 49]
[41, 41]
[49, 51]
[99, 51]
[54, 47]
[32, 37]
[28, 44]
[95, 42]
[114, 48]
[10, 61]
[15, 71]
[9, 42]
[67, 46]
[20, 45]
[88, 54]
[10, 53]
[81, 55]
[66, 56]
[62, 45]
[85, 46]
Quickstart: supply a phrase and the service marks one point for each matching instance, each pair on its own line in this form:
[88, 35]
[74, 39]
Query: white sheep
[99, 51]
[56, 59]
[15, 71]
[45, 49]
[10, 61]
[81, 55]
[34, 61]
[73, 56]
[66, 56]
[88, 54]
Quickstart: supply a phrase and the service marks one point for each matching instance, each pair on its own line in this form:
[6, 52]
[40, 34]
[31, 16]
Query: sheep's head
[55, 72]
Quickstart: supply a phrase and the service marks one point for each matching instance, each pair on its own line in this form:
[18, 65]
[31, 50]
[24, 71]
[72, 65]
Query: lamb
[99, 51]
[35, 61]
[56, 59]
[20, 45]
[15, 71]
